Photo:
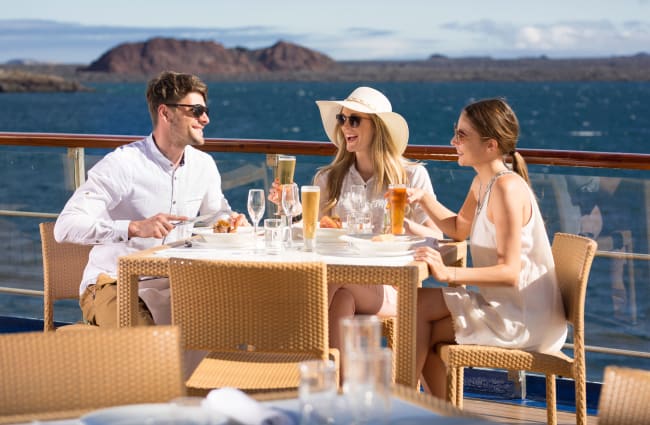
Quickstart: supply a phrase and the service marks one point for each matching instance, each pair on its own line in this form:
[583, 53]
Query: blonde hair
[388, 163]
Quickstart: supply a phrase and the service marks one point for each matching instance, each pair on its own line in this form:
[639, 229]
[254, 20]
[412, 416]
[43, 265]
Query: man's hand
[157, 226]
[239, 219]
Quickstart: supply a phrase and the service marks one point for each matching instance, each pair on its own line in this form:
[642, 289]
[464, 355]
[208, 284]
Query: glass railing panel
[567, 197]
[613, 207]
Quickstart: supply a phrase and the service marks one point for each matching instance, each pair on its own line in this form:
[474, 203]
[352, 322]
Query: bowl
[242, 237]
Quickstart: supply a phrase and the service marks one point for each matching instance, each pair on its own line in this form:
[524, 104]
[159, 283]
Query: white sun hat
[369, 101]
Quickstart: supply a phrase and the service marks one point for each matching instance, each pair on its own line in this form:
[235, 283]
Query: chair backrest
[48, 375]
[624, 397]
[234, 306]
[63, 267]
[573, 256]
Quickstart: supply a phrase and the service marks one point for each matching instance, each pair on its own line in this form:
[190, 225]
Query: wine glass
[256, 205]
[290, 205]
[358, 197]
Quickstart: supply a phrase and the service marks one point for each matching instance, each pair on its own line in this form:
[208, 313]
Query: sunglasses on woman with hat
[354, 120]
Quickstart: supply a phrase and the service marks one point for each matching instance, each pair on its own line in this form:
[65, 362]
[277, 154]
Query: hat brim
[394, 122]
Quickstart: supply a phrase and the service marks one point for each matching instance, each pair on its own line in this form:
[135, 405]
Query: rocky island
[285, 61]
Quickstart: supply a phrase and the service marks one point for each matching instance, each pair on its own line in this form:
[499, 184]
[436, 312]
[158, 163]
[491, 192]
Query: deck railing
[77, 143]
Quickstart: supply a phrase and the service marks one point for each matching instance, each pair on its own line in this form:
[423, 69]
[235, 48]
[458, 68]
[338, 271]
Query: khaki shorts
[99, 304]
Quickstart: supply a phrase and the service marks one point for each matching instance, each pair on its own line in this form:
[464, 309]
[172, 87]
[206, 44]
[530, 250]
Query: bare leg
[346, 301]
[434, 325]
[435, 371]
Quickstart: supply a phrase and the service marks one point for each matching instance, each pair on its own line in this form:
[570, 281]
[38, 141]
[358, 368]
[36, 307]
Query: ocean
[588, 116]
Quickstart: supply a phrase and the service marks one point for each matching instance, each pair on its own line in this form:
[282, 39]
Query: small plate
[401, 245]
[153, 414]
[330, 234]
[242, 237]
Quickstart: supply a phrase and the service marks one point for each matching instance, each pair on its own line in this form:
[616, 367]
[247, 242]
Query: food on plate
[383, 237]
[225, 225]
[333, 222]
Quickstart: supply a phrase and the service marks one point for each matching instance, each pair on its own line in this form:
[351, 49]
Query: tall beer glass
[310, 202]
[286, 168]
[397, 199]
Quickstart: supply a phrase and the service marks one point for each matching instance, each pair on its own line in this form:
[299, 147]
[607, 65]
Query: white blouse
[529, 316]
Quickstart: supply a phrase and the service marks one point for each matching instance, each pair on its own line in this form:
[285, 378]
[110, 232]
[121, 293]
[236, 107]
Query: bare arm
[455, 225]
[509, 208]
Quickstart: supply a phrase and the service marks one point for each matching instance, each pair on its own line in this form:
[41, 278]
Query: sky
[80, 31]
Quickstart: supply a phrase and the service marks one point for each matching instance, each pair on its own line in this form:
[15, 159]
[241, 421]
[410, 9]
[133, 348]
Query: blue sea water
[590, 116]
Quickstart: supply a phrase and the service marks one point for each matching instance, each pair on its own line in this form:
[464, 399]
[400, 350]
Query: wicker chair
[53, 375]
[573, 256]
[624, 397]
[258, 320]
[63, 267]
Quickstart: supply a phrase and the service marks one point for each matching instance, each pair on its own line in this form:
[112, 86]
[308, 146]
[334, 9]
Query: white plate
[152, 414]
[329, 233]
[401, 245]
[242, 237]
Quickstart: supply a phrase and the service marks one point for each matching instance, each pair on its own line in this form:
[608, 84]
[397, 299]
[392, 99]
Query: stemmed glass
[290, 205]
[256, 205]
[358, 197]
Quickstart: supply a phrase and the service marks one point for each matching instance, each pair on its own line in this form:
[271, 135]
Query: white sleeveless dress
[529, 316]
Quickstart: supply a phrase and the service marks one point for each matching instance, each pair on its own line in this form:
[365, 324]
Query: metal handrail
[76, 142]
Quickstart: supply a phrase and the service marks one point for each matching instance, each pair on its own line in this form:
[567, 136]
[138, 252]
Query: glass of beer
[286, 168]
[310, 202]
[397, 199]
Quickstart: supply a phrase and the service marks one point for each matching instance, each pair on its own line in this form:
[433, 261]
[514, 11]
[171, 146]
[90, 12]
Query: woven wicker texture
[625, 397]
[407, 279]
[259, 320]
[573, 256]
[63, 267]
[64, 374]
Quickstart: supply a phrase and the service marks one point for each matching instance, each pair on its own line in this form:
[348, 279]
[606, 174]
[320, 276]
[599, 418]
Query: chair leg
[451, 386]
[551, 408]
[581, 400]
[460, 383]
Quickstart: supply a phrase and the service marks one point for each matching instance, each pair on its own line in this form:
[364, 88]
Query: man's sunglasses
[197, 110]
[354, 120]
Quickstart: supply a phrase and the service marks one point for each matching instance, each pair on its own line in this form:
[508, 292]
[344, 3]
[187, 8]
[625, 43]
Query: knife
[203, 217]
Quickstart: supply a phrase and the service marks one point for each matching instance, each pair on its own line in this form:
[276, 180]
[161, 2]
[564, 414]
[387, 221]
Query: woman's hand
[414, 195]
[437, 268]
[275, 192]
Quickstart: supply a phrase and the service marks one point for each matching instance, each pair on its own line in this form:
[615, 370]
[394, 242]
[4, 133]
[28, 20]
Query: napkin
[241, 408]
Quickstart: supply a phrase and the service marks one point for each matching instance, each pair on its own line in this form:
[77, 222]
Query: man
[135, 194]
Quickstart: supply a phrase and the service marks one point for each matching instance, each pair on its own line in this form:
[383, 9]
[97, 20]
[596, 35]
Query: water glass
[360, 333]
[367, 386]
[317, 392]
[273, 235]
[359, 222]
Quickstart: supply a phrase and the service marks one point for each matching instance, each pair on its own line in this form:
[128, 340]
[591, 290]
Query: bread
[383, 237]
[225, 226]
[333, 222]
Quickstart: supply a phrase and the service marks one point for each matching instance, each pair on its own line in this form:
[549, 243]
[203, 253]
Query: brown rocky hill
[206, 58]
[12, 80]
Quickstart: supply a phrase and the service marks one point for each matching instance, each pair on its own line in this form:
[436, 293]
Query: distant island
[290, 62]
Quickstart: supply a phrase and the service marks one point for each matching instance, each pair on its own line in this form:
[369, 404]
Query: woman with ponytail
[516, 301]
